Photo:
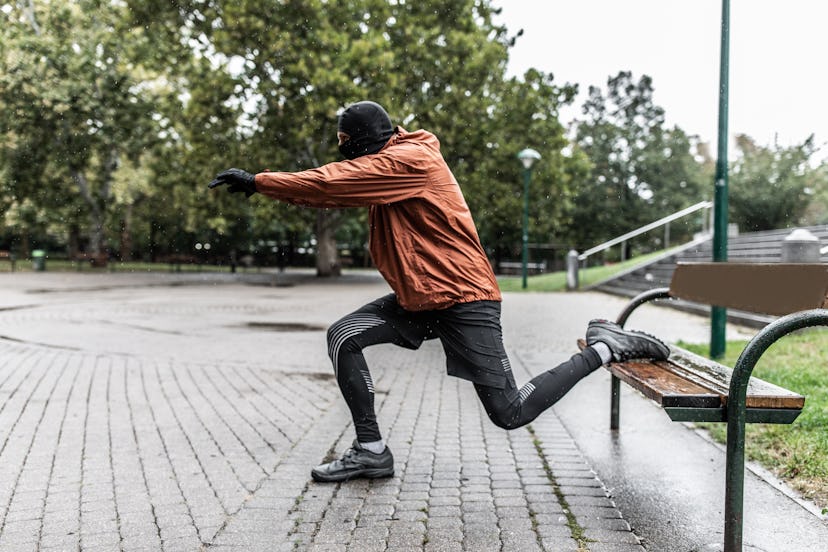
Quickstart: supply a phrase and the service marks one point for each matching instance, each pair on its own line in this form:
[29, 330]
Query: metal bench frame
[736, 412]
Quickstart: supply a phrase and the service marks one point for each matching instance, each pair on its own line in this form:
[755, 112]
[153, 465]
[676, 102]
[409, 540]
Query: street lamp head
[528, 157]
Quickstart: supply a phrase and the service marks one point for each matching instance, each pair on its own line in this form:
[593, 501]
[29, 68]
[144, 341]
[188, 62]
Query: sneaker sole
[361, 474]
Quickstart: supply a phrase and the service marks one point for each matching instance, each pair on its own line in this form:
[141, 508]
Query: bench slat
[658, 382]
[753, 287]
[760, 394]
[675, 384]
[690, 381]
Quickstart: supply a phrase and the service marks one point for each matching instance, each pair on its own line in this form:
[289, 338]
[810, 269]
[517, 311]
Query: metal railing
[573, 259]
[646, 228]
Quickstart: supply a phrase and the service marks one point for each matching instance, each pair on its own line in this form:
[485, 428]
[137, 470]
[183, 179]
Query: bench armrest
[757, 346]
[640, 299]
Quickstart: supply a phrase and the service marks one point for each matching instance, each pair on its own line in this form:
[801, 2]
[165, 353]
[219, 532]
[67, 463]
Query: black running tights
[507, 407]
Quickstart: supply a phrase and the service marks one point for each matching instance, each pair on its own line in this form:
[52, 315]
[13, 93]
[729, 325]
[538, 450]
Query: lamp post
[718, 315]
[528, 158]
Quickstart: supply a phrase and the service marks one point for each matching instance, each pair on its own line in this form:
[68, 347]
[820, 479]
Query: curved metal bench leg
[615, 402]
[615, 384]
[735, 469]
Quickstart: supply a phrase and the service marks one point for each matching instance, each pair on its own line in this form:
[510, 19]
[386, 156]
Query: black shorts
[470, 333]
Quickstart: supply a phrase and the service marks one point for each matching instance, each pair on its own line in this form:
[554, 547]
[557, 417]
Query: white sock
[376, 447]
[603, 351]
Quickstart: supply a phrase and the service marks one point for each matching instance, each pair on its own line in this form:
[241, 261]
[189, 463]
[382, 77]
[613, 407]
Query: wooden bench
[175, 260]
[8, 256]
[694, 389]
[93, 260]
[516, 267]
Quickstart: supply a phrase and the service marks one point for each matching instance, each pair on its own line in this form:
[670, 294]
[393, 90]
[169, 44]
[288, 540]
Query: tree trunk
[25, 245]
[96, 216]
[126, 235]
[153, 255]
[73, 247]
[97, 202]
[96, 233]
[327, 256]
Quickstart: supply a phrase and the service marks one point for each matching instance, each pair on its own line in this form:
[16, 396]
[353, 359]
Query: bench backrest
[764, 288]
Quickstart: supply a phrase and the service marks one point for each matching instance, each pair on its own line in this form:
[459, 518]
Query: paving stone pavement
[145, 412]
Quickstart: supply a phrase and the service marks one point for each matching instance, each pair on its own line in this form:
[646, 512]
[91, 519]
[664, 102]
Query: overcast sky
[778, 58]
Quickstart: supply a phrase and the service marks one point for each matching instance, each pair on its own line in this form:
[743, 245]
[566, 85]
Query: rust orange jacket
[422, 236]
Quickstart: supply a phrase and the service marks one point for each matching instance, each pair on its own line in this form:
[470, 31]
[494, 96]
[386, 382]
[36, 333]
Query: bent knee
[341, 338]
[505, 421]
[344, 333]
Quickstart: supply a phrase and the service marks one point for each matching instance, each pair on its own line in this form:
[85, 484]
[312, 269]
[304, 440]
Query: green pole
[527, 157]
[718, 315]
[525, 249]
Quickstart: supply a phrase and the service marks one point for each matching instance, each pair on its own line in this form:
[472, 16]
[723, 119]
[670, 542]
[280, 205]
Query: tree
[271, 77]
[817, 211]
[769, 186]
[641, 169]
[75, 104]
[403, 55]
[115, 115]
[525, 115]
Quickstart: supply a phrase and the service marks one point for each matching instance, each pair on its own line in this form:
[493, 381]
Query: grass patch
[796, 453]
[556, 281]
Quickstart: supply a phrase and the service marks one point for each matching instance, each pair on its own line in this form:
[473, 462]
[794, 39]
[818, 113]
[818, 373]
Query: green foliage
[641, 169]
[279, 73]
[114, 116]
[798, 452]
[525, 116]
[817, 211]
[74, 104]
[406, 56]
[769, 185]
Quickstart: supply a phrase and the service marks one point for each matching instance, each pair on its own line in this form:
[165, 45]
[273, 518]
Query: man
[424, 243]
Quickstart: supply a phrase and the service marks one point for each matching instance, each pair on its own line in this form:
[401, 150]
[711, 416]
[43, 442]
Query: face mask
[368, 126]
[352, 150]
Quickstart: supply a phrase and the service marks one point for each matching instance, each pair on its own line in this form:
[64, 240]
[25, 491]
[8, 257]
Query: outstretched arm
[370, 180]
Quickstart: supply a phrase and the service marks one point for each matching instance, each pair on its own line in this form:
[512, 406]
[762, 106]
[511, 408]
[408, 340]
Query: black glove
[236, 181]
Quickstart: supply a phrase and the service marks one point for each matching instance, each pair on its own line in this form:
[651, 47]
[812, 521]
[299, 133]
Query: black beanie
[369, 127]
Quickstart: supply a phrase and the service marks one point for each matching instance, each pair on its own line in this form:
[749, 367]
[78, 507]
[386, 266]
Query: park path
[183, 412]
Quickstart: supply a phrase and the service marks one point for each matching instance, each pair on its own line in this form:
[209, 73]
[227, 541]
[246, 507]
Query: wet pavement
[184, 412]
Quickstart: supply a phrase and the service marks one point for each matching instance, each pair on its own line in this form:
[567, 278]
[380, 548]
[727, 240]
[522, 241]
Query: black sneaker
[356, 462]
[625, 344]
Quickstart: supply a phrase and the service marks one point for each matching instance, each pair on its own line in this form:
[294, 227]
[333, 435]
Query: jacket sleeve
[369, 180]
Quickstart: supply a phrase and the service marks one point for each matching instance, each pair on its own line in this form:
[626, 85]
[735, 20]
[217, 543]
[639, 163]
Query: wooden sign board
[765, 288]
